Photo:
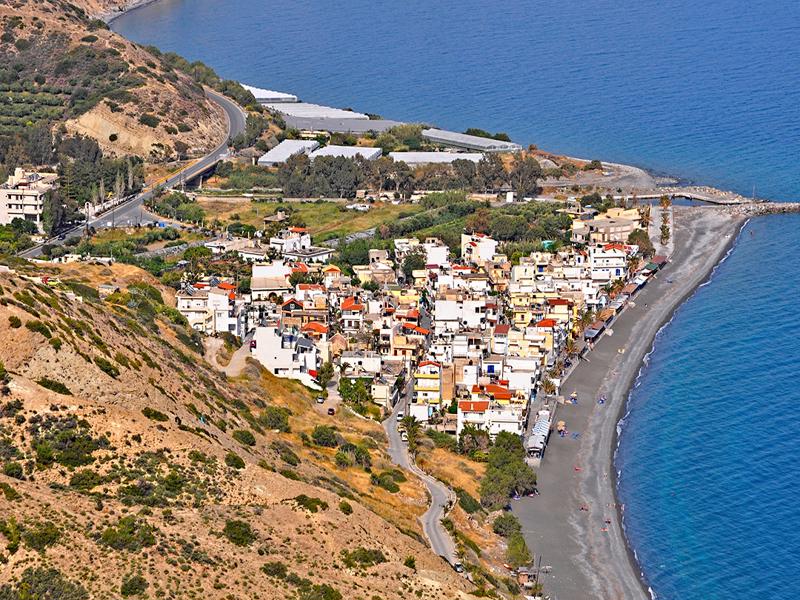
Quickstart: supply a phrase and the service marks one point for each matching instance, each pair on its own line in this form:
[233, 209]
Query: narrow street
[440, 494]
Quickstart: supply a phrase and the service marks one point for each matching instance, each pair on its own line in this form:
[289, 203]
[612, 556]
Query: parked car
[458, 567]
[400, 414]
[404, 436]
[331, 411]
[320, 400]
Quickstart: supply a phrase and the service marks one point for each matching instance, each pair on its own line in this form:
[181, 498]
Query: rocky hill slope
[131, 467]
[59, 65]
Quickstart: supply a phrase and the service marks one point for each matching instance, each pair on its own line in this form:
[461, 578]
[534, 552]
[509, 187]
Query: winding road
[441, 495]
[132, 212]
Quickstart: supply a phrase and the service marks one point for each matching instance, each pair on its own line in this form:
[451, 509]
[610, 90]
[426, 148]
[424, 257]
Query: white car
[400, 414]
[320, 400]
[404, 436]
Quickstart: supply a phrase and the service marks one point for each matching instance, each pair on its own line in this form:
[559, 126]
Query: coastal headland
[576, 524]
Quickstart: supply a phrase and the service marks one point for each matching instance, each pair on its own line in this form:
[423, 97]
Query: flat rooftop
[470, 142]
[309, 110]
[427, 158]
[263, 95]
[348, 125]
[347, 152]
[286, 149]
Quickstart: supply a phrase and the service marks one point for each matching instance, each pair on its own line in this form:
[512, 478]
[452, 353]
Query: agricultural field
[326, 219]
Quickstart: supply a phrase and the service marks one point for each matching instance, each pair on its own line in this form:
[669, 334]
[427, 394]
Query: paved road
[441, 495]
[132, 211]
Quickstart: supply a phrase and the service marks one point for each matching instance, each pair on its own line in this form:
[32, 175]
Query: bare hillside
[131, 467]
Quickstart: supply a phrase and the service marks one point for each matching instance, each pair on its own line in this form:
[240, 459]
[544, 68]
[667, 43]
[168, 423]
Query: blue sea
[707, 91]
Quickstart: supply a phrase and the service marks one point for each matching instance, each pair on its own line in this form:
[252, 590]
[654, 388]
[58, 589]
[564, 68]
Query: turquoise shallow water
[708, 91]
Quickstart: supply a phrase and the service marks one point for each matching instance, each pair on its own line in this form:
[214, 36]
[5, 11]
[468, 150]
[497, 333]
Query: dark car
[331, 411]
[458, 567]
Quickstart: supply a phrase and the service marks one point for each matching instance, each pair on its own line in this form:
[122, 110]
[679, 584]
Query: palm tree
[548, 387]
[413, 429]
[644, 216]
[570, 347]
[665, 202]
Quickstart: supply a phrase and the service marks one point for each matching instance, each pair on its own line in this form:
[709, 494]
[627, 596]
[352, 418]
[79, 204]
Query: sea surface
[708, 91]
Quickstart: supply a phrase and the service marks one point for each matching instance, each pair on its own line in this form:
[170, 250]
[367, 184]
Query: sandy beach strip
[590, 558]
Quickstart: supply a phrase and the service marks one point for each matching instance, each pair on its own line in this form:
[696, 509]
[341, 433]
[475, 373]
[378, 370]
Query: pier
[699, 193]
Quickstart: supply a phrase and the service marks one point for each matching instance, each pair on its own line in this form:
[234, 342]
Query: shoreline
[130, 6]
[624, 408]
[589, 558]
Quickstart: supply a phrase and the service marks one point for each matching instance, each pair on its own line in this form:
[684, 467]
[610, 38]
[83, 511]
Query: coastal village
[262, 347]
[458, 339]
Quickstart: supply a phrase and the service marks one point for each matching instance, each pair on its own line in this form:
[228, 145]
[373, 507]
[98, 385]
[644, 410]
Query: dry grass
[324, 218]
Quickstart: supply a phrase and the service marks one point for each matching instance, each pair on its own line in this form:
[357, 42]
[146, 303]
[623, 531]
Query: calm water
[708, 91]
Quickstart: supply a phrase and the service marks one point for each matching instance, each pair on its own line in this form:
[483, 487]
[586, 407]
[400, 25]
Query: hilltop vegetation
[59, 66]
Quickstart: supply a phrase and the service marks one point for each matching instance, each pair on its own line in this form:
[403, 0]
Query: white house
[286, 353]
[22, 197]
[290, 240]
[477, 248]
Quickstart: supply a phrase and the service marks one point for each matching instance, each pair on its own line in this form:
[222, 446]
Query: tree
[325, 374]
[525, 176]
[640, 238]
[517, 553]
[413, 262]
[53, 212]
[472, 439]
[413, 429]
[23, 226]
[507, 473]
[489, 172]
[665, 233]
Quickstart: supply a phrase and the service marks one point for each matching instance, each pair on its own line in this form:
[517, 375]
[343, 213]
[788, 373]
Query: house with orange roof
[352, 314]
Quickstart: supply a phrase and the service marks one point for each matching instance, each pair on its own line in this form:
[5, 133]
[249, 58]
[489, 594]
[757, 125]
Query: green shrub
[239, 533]
[345, 507]
[14, 321]
[9, 492]
[275, 569]
[290, 474]
[362, 557]
[54, 386]
[13, 469]
[506, 525]
[275, 417]
[410, 562]
[106, 366]
[130, 534]
[325, 436]
[43, 584]
[154, 415]
[41, 535]
[85, 480]
[310, 503]
[385, 481]
[149, 120]
[234, 461]
[39, 327]
[133, 585]
[467, 502]
[56, 343]
[244, 437]
[286, 453]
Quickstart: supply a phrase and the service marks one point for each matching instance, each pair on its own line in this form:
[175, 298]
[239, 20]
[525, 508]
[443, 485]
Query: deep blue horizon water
[706, 91]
